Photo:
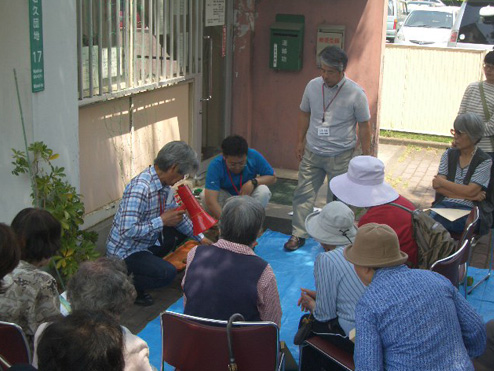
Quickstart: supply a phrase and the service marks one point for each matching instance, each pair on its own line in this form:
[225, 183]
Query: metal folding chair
[490, 258]
[194, 343]
[318, 349]
[449, 267]
[469, 233]
[14, 347]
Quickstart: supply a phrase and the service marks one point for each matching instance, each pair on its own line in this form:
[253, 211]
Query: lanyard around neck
[331, 101]
[161, 198]
[231, 179]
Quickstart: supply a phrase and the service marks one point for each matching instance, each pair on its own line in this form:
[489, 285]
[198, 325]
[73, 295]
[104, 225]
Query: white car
[428, 26]
[474, 26]
[413, 5]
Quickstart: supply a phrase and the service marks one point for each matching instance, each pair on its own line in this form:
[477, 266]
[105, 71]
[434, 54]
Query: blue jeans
[456, 226]
[149, 269]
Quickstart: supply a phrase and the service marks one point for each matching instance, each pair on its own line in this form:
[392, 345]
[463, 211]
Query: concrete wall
[266, 102]
[422, 89]
[121, 137]
[50, 115]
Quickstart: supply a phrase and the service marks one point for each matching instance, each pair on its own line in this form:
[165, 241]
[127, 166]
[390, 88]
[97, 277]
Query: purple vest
[220, 283]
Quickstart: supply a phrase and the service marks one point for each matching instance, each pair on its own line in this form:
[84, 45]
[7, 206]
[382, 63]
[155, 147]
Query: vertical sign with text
[214, 13]
[36, 39]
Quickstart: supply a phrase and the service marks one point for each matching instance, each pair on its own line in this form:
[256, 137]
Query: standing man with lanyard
[238, 171]
[331, 108]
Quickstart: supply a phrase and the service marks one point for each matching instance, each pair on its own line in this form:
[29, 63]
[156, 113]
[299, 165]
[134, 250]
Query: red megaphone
[201, 220]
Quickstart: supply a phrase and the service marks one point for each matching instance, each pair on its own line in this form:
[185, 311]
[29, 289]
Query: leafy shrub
[51, 191]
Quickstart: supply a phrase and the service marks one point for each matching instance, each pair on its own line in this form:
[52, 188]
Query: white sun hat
[363, 185]
[333, 225]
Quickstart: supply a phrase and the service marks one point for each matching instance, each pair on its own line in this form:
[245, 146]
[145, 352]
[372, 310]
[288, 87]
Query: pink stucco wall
[266, 102]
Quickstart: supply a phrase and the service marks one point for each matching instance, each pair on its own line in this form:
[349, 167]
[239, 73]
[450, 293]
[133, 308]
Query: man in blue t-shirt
[239, 170]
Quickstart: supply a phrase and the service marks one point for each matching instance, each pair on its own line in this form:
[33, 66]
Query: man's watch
[255, 183]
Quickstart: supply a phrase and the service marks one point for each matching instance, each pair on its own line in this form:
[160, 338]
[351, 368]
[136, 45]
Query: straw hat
[363, 185]
[330, 225]
[375, 246]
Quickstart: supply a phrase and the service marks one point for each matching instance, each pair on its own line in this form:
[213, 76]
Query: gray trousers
[311, 173]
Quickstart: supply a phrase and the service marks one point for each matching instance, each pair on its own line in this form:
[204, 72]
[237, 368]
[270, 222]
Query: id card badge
[323, 131]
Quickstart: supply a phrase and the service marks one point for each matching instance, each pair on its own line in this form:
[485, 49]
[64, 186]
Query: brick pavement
[410, 168]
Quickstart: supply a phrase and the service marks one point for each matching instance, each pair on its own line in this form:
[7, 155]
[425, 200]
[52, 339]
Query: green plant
[51, 191]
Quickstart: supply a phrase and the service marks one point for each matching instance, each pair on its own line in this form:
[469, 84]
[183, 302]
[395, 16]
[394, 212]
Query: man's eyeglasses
[238, 164]
[456, 132]
[332, 71]
[489, 66]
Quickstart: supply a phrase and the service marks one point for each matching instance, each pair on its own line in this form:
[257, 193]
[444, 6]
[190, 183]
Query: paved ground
[409, 169]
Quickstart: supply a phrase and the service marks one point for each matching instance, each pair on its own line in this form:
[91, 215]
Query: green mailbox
[287, 42]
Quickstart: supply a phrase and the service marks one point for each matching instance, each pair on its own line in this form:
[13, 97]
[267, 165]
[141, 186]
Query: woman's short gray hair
[241, 220]
[335, 57]
[472, 124]
[101, 285]
[177, 153]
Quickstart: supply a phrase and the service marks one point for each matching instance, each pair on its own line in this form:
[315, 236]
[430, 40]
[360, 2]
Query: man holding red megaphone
[148, 223]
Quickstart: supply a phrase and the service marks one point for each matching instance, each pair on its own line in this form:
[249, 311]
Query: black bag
[304, 329]
[433, 240]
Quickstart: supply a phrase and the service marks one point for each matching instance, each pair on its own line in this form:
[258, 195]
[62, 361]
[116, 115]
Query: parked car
[433, 2]
[427, 26]
[397, 12]
[413, 5]
[474, 26]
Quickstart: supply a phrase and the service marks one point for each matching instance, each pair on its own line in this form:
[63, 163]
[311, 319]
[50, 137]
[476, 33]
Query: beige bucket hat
[375, 246]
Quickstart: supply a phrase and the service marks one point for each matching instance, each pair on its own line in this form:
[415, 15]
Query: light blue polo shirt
[349, 107]
[217, 177]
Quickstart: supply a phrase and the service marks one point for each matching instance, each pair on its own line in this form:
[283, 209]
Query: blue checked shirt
[137, 223]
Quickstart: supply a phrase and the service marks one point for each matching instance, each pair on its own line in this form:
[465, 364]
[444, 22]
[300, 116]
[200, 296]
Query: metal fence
[422, 87]
[132, 44]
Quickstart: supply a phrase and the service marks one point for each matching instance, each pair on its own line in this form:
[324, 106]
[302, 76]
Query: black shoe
[294, 243]
[144, 299]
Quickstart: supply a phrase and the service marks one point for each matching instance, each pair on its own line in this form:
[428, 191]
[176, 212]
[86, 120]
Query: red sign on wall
[223, 43]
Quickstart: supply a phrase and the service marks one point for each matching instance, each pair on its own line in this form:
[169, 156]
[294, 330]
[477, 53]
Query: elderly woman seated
[82, 341]
[9, 252]
[30, 295]
[464, 174]
[338, 287]
[228, 277]
[103, 285]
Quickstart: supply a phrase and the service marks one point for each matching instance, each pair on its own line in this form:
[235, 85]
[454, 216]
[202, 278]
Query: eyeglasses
[489, 66]
[456, 132]
[236, 164]
[332, 71]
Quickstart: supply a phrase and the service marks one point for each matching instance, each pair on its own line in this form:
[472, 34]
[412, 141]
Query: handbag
[304, 329]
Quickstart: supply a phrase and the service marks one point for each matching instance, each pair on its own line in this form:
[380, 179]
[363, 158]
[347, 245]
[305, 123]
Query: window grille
[125, 45]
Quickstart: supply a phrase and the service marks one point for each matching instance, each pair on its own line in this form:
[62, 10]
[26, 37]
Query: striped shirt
[338, 289]
[472, 103]
[137, 223]
[480, 176]
[268, 298]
